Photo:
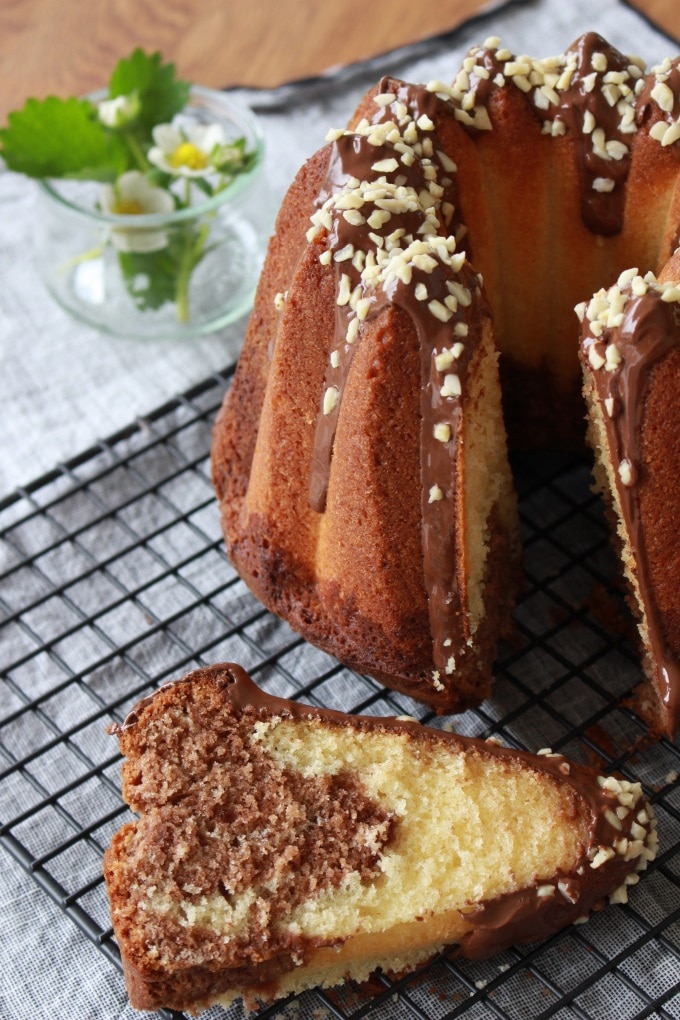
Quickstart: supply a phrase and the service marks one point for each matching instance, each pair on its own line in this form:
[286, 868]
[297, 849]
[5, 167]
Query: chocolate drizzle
[352, 160]
[410, 280]
[658, 104]
[621, 836]
[649, 330]
[602, 211]
[589, 93]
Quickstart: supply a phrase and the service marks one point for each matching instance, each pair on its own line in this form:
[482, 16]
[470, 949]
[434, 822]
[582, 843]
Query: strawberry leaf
[61, 138]
[161, 93]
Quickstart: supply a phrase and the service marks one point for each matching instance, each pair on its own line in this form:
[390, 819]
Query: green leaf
[161, 93]
[61, 138]
[155, 278]
[150, 277]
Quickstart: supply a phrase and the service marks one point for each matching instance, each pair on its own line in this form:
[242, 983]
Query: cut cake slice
[281, 847]
[630, 354]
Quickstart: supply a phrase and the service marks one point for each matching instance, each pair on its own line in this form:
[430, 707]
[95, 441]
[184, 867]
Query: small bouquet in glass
[149, 222]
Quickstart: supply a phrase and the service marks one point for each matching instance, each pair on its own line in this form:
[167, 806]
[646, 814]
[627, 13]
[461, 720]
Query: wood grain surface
[68, 47]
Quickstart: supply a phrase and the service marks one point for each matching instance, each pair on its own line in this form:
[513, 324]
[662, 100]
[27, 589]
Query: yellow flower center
[188, 154]
[129, 207]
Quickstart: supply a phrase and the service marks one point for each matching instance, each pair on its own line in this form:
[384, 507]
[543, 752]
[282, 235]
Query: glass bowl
[127, 274]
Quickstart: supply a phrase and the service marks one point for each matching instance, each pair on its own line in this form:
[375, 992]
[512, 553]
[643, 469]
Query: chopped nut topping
[612, 357]
[595, 358]
[663, 96]
[613, 819]
[385, 98]
[451, 387]
[386, 166]
[344, 290]
[625, 472]
[444, 360]
[603, 854]
[440, 311]
[344, 253]
[619, 895]
[352, 331]
[354, 217]
[425, 123]
[564, 888]
[330, 399]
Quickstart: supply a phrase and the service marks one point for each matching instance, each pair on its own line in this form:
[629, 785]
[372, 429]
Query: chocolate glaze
[649, 331]
[352, 158]
[602, 212]
[521, 916]
[648, 111]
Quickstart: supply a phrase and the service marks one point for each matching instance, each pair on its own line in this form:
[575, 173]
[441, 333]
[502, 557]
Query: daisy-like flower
[134, 195]
[117, 112]
[189, 150]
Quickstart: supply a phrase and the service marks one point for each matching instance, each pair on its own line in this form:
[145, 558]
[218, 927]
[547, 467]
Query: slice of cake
[360, 459]
[281, 847]
[630, 353]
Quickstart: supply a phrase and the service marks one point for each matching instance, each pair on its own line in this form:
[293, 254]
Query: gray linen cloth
[62, 385]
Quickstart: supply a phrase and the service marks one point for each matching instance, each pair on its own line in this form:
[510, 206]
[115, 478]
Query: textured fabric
[62, 386]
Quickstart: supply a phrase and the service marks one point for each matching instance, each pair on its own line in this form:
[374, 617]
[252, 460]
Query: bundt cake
[360, 458]
[280, 847]
[630, 352]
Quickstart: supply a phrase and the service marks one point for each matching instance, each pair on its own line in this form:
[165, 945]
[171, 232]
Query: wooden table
[68, 47]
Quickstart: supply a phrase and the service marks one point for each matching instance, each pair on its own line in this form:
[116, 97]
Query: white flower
[134, 195]
[118, 112]
[192, 150]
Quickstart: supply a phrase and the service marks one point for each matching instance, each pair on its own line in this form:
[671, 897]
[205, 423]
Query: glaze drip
[603, 153]
[659, 103]
[393, 168]
[587, 92]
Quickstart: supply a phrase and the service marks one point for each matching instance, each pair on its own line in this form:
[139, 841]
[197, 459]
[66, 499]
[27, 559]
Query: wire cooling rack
[114, 580]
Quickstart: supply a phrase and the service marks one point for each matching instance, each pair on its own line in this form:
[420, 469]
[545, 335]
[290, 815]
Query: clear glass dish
[123, 273]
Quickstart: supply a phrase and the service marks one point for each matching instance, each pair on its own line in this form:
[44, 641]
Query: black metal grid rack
[114, 579]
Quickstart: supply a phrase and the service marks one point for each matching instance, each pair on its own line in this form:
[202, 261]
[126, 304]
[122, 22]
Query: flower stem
[76, 260]
[137, 154]
[191, 256]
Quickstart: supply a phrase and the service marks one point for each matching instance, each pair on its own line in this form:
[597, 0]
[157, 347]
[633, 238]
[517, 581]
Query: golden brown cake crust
[233, 447]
